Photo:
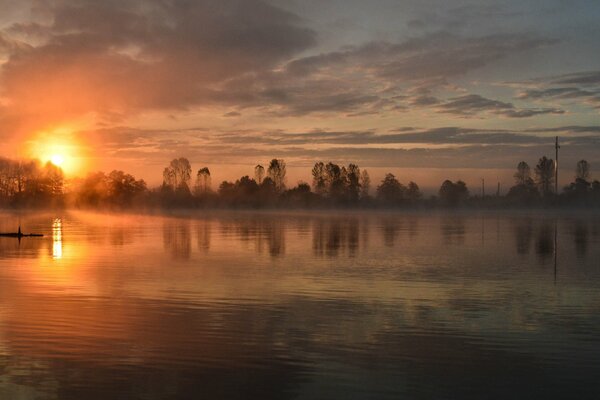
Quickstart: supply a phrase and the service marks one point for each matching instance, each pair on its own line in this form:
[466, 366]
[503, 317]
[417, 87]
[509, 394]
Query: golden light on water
[57, 239]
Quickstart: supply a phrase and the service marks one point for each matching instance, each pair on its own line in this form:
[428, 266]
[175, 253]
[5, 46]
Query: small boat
[20, 234]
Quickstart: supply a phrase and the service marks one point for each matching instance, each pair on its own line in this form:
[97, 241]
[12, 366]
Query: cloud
[431, 57]
[373, 78]
[473, 104]
[118, 58]
[121, 57]
[579, 88]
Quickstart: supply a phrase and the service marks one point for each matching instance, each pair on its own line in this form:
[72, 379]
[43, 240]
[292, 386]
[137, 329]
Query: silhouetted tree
[524, 191]
[353, 182]
[277, 172]
[336, 182]
[268, 193]
[177, 175]
[580, 190]
[319, 178]
[123, 188]
[413, 193]
[300, 196]
[259, 173]
[56, 179]
[203, 181]
[544, 172]
[93, 190]
[365, 184]
[582, 171]
[523, 174]
[452, 194]
[390, 191]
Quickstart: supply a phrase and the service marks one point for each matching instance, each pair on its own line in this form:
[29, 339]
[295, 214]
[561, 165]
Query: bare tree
[353, 180]
[523, 173]
[319, 178]
[259, 173]
[203, 181]
[583, 170]
[276, 172]
[544, 172]
[365, 184]
[178, 174]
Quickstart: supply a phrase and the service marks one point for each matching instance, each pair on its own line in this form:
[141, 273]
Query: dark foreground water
[315, 306]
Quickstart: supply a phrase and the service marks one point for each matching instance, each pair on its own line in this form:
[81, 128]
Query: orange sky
[463, 92]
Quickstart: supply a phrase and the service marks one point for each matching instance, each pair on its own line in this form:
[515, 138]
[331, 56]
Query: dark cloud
[118, 57]
[437, 56]
[558, 93]
[579, 78]
[473, 104]
[579, 88]
[436, 136]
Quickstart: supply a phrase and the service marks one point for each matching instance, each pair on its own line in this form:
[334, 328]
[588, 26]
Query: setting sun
[57, 160]
[60, 147]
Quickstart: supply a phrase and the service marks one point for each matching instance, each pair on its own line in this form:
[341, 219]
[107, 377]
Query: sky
[427, 89]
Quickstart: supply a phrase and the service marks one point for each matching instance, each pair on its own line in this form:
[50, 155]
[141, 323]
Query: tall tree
[413, 193]
[277, 172]
[544, 172]
[353, 179]
[335, 178]
[178, 174]
[523, 173]
[452, 194]
[365, 184]
[319, 178]
[203, 181]
[259, 173]
[390, 191]
[582, 171]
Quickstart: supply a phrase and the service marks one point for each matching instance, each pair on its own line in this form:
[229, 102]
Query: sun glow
[57, 159]
[59, 147]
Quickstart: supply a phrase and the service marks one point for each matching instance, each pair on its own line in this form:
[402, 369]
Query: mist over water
[300, 305]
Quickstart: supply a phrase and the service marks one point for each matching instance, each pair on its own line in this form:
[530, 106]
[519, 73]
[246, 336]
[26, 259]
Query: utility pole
[556, 147]
[482, 188]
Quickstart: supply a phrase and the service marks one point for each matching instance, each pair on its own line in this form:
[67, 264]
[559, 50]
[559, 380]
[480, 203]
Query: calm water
[422, 306]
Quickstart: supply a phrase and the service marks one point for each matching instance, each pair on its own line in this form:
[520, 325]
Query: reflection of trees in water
[413, 227]
[523, 230]
[332, 235]
[453, 230]
[391, 228]
[177, 238]
[275, 237]
[544, 237]
[203, 228]
[545, 240]
[580, 237]
[265, 232]
[120, 236]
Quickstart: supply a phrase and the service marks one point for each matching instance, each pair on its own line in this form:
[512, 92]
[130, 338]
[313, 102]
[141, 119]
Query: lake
[299, 305]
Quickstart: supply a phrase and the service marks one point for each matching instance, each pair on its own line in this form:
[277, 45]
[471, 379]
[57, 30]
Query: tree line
[333, 186]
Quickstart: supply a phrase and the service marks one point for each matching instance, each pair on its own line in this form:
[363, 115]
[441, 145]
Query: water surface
[303, 305]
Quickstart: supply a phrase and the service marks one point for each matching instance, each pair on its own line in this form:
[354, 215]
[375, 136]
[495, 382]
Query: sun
[60, 147]
[57, 159]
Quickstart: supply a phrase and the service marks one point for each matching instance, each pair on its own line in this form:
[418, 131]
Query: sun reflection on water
[57, 239]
